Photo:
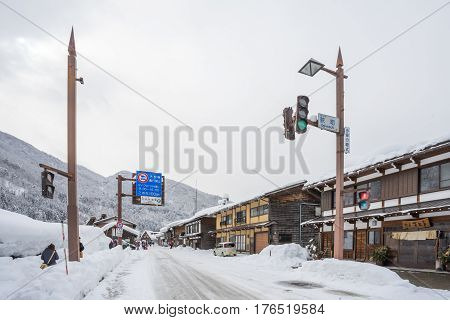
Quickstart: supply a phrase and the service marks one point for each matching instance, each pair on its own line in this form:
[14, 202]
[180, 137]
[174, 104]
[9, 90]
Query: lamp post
[310, 69]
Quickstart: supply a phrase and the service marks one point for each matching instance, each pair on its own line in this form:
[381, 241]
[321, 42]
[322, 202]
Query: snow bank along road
[182, 273]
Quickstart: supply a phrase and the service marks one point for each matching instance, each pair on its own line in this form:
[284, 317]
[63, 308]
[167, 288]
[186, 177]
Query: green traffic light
[302, 124]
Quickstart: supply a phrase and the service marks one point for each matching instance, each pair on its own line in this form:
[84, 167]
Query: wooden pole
[339, 217]
[119, 205]
[72, 203]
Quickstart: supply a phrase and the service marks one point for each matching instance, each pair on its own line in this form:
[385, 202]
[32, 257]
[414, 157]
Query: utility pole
[72, 203]
[119, 204]
[339, 218]
[196, 196]
[329, 123]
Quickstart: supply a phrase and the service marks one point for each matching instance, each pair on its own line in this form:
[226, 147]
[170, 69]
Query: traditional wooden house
[289, 207]
[149, 235]
[409, 207]
[246, 224]
[108, 225]
[176, 232]
[200, 230]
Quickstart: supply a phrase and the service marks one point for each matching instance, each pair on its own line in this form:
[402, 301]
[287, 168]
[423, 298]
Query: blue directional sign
[148, 184]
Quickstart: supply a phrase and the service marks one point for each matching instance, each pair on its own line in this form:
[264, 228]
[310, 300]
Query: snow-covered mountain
[20, 190]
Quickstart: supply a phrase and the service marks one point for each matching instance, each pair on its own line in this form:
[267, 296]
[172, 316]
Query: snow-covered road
[159, 274]
[182, 273]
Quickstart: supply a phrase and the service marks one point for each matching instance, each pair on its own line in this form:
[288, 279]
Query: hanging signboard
[148, 188]
[326, 122]
[420, 223]
[347, 140]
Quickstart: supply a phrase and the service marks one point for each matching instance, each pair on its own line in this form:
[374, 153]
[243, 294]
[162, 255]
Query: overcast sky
[223, 63]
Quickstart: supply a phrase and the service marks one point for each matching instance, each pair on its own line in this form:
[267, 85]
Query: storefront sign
[420, 223]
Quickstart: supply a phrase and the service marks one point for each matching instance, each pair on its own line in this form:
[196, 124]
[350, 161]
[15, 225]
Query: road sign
[326, 122]
[151, 188]
[151, 200]
[148, 184]
[119, 229]
[347, 140]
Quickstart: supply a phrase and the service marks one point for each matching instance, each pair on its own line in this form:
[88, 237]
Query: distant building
[108, 225]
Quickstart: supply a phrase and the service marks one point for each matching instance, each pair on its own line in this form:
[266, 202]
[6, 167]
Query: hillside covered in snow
[20, 191]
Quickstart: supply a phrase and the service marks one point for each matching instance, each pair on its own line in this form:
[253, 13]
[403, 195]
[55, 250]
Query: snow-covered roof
[113, 218]
[384, 156]
[125, 227]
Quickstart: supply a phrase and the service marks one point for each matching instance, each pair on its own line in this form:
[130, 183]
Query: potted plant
[444, 258]
[380, 255]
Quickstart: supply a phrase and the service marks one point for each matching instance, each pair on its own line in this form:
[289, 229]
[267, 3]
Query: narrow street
[158, 274]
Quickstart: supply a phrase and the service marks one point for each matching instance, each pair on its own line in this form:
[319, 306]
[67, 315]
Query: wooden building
[149, 235]
[246, 224]
[289, 207]
[129, 234]
[409, 207]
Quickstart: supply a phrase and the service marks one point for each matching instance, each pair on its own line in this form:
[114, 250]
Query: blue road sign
[148, 184]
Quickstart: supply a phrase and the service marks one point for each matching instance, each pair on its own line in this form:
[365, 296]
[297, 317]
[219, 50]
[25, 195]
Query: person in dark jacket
[81, 248]
[49, 255]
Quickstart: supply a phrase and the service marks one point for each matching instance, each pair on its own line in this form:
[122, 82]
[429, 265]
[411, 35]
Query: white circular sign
[142, 177]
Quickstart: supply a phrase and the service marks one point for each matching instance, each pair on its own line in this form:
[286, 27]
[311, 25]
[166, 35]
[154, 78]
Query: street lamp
[310, 69]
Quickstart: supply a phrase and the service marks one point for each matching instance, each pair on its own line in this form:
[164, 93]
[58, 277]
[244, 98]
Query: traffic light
[289, 127]
[48, 189]
[364, 200]
[301, 117]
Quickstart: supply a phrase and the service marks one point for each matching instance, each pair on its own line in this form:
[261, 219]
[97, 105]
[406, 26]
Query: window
[349, 198]
[240, 216]
[228, 245]
[333, 199]
[240, 243]
[375, 190]
[429, 179]
[374, 237]
[445, 175]
[258, 211]
[348, 240]
[285, 238]
[223, 220]
[228, 220]
[263, 209]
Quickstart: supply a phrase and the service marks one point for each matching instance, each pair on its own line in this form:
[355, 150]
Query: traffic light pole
[310, 69]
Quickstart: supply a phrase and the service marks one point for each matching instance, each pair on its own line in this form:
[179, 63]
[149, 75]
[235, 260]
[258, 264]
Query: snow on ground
[22, 236]
[184, 273]
[22, 278]
[278, 272]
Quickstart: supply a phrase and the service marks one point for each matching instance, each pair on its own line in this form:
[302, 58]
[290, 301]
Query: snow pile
[285, 255]
[23, 279]
[21, 236]
[365, 279]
